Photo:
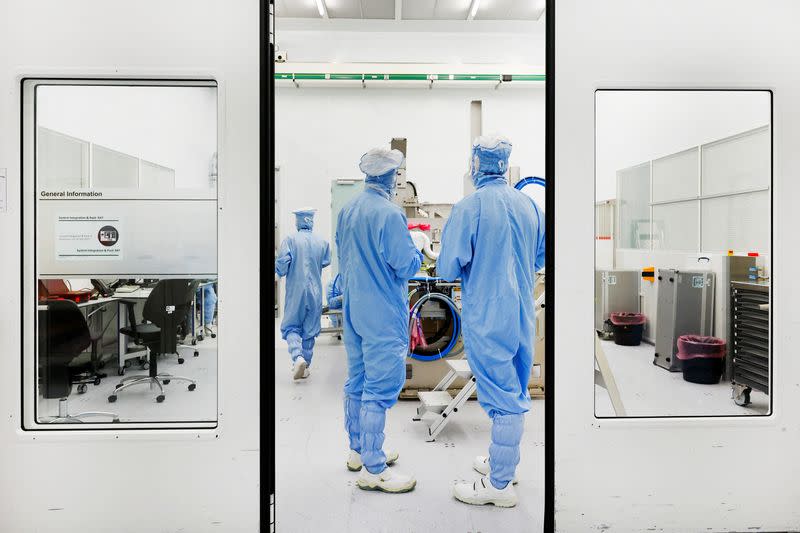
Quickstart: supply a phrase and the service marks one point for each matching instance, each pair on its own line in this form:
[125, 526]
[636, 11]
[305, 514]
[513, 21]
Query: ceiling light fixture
[473, 9]
[323, 10]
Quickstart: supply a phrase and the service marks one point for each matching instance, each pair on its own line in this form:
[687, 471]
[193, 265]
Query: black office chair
[63, 336]
[184, 328]
[163, 311]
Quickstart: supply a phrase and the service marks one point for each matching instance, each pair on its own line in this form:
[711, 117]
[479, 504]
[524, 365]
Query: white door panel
[137, 480]
[671, 474]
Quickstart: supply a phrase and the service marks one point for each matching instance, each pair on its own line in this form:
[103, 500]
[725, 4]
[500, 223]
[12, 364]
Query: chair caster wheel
[145, 366]
[160, 398]
[213, 335]
[81, 388]
[194, 342]
[117, 386]
[128, 363]
[196, 353]
[199, 337]
[166, 382]
[112, 398]
[192, 386]
[97, 380]
[180, 360]
[121, 371]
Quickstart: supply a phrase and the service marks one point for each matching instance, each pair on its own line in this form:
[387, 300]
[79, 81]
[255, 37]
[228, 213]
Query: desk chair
[184, 326]
[63, 335]
[93, 374]
[164, 310]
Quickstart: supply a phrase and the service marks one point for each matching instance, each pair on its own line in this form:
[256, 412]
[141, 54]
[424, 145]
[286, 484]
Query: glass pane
[634, 206]
[126, 254]
[113, 169]
[683, 327]
[740, 163]
[153, 176]
[675, 177]
[63, 160]
[739, 223]
[675, 226]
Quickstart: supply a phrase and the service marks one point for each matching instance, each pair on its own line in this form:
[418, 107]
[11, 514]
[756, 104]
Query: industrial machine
[685, 307]
[615, 291]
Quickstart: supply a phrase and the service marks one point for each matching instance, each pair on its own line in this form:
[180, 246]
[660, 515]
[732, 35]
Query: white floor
[138, 403]
[649, 390]
[316, 492]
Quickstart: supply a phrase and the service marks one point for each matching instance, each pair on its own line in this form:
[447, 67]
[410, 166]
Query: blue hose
[530, 180]
[456, 325]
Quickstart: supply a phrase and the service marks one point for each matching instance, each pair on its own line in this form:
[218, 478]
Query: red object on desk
[50, 289]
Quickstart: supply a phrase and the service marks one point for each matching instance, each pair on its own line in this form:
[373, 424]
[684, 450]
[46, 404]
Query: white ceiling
[412, 9]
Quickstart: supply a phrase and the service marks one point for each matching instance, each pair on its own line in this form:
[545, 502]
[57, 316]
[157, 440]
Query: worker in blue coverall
[301, 258]
[494, 242]
[377, 258]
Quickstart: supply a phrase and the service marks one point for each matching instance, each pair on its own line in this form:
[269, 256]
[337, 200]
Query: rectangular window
[683, 290]
[120, 254]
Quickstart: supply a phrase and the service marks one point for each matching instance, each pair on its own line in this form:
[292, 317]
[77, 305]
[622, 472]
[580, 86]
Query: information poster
[88, 237]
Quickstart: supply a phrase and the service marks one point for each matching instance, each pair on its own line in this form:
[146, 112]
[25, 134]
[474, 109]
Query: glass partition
[121, 262]
[683, 290]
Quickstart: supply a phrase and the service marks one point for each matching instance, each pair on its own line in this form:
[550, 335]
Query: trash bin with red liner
[702, 358]
[627, 328]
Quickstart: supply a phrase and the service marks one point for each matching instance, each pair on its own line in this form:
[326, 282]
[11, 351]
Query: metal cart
[749, 347]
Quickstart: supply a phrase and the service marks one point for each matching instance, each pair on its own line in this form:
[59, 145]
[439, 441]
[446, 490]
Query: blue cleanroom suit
[376, 257]
[494, 241]
[301, 258]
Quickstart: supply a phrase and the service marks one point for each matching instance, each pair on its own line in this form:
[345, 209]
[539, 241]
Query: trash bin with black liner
[702, 358]
[627, 328]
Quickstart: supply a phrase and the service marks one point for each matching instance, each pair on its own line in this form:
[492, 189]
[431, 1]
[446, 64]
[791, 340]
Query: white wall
[445, 42]
[634, 127]
[321, 133]
[172, 126]
[671, 475]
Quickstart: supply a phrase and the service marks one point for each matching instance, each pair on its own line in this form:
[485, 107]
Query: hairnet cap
[305, 211]
[379, 161]
[490, 142]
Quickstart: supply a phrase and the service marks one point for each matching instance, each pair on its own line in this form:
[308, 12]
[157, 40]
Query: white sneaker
[306, 373]
[481, 465]
[482, 492]
[354, 463]
[387, 481]
[299, 368]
